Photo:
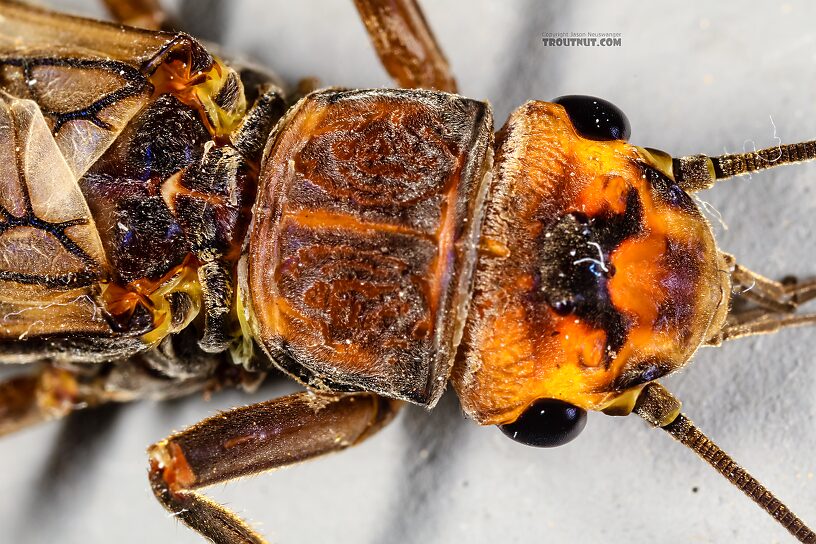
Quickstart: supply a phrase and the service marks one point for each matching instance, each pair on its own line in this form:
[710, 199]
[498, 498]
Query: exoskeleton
[172, 222]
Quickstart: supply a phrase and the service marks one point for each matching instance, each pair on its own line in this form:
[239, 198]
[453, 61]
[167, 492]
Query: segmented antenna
[697, 172]
[661, 409]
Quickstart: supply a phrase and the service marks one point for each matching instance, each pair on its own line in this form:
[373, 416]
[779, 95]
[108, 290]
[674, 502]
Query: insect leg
[224, 195]
[253, 439]
[269, 106]
[18, 403]
[51, 393]
[140, 13]
[405, 44]
[758, 321]
[171, 370]
[784, 296]
[774, 304]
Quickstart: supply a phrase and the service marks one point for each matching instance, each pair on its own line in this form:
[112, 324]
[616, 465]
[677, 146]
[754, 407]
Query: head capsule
[596, 273]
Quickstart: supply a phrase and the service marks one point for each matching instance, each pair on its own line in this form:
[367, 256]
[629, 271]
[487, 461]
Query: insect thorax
[364, 237]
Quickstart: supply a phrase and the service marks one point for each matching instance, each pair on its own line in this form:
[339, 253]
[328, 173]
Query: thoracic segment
[364, 235]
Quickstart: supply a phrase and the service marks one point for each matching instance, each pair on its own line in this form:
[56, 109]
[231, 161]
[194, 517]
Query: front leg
[253, 439]
[762, 305]
[780, 297]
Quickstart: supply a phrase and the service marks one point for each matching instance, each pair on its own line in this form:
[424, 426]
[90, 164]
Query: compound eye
[547, 423]
[595, 118]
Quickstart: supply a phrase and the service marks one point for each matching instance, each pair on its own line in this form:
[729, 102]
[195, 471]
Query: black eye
[595, 118]
[547, 423]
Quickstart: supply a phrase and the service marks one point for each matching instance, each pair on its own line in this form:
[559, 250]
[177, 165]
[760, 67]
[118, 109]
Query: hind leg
[52, 393]
[171, 370]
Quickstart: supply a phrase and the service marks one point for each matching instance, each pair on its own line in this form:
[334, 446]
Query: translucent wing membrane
[51, 257]
[87, 77]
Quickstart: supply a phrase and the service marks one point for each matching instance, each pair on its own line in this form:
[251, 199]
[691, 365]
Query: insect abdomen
[363, 238]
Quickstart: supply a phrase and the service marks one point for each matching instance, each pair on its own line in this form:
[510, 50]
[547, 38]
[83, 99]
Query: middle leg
[139, 13]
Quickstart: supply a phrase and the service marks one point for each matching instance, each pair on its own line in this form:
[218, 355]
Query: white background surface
[692, 77]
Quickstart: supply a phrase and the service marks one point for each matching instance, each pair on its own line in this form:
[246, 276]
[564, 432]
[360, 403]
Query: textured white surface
[692, 77]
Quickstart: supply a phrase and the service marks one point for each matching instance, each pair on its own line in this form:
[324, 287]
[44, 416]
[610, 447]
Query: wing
[51, 257]
[68, 89]
[88, 78]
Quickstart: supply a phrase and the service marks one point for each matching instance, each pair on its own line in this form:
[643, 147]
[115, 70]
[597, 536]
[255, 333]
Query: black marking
[289, 363]
[669, 191]
[197, 58]
[574, 268]
[258, 124]
[91, 347]
[57, 230]
[230, 92]
[677, 311]
[167, 137]
[298, 367]
[63, 281]
[152, 241]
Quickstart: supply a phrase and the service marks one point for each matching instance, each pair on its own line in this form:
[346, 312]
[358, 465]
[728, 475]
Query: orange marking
[172, 187]
[582, 345]
[493, 246]
[57, 392]
[323, 219]
[121, 301]
[606, 193]
[238, 440]
[177, 472]
[197, 90]
[175, 77]
[636, 288]
[444, 238]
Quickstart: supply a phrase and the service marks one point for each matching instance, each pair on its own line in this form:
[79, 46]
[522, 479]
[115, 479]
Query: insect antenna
[698, 172]
[661, 409]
